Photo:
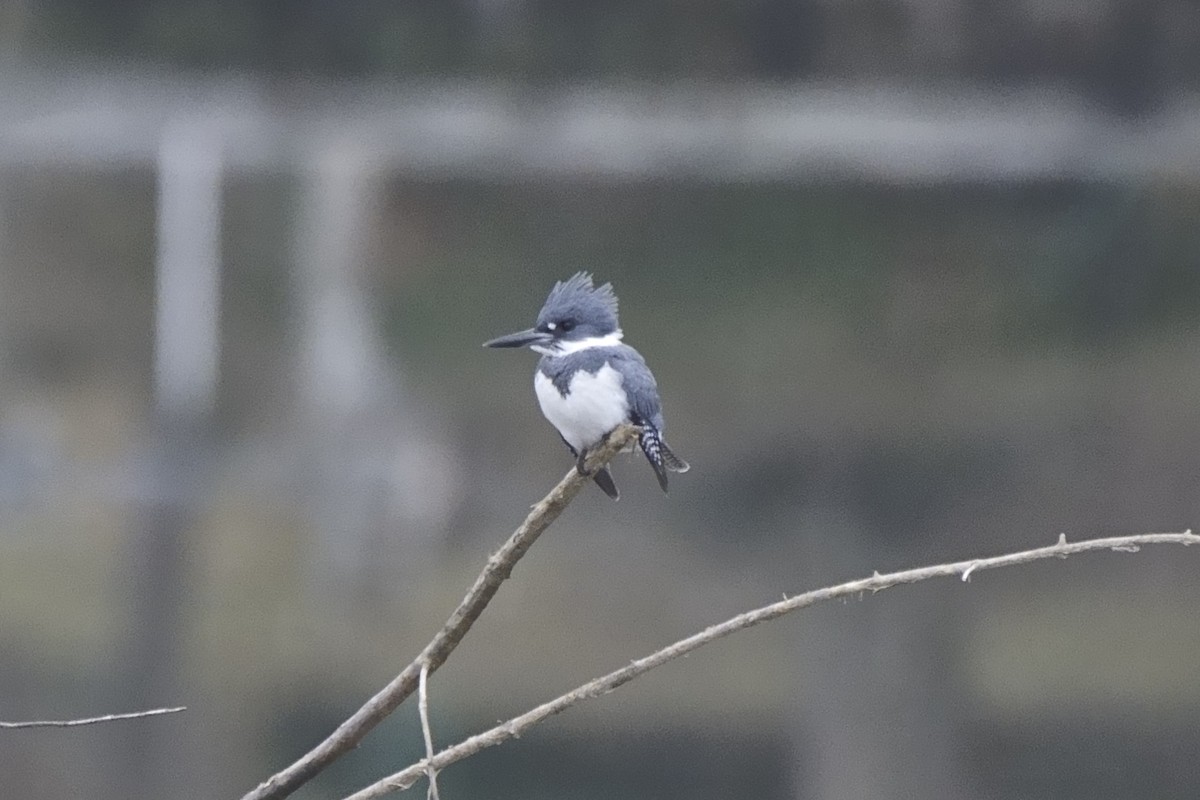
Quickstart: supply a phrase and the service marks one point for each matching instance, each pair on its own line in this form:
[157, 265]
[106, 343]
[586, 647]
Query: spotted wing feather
[645, 409]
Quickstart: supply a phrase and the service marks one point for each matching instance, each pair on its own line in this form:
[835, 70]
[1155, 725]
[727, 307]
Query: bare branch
[498, 568]
[75, 723]
[423, 709]
[877, 582]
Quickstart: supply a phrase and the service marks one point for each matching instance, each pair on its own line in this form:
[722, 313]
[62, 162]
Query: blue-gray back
[636, 378]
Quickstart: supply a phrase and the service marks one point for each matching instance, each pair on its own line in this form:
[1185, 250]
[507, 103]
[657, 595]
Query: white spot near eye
[551, 326]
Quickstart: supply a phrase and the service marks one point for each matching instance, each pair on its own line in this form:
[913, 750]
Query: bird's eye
[566, 325]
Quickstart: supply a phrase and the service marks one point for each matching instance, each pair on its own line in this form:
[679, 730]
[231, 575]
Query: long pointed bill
[521, 339]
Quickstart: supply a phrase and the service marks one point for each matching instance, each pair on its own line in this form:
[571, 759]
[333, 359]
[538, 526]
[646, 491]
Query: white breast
[594, 405]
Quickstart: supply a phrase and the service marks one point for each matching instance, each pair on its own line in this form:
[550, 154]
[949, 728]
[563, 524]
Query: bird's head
[575, 316]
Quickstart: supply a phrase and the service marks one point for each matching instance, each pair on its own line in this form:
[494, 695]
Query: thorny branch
[877, 582]
[75, 723]
[498, 568]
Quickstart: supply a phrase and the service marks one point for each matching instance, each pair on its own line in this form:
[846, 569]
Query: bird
[588, 381]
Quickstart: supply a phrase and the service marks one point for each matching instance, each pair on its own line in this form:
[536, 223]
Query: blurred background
[919, 281]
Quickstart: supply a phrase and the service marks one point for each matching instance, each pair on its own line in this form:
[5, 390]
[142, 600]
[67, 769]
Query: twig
[423, 708]
[75, 723]
[877, 582]
[499, 567]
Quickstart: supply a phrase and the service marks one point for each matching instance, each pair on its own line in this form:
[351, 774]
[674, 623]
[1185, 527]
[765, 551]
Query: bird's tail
[603, 479]
[660, 456]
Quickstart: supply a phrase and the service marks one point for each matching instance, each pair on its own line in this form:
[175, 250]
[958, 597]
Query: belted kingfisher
[588, 382]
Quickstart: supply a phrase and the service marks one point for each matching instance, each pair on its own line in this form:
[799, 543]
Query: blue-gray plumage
[588, 382]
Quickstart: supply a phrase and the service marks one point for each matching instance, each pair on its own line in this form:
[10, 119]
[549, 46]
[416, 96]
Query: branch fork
[497, 569]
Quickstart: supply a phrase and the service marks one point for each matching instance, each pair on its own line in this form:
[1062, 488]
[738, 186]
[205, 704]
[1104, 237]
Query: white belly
[594, 405]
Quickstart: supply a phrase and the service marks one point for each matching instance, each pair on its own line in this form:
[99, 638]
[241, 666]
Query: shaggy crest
[577, 294]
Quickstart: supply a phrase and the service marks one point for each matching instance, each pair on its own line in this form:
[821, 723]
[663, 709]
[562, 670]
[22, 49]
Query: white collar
[569, 347]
